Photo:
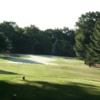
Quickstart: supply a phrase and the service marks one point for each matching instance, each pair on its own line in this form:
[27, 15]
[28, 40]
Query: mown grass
[64, 79]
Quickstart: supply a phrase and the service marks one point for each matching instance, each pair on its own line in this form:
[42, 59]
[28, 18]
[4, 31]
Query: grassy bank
[62, 79]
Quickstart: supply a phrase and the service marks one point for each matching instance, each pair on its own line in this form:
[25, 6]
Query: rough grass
[64, 79]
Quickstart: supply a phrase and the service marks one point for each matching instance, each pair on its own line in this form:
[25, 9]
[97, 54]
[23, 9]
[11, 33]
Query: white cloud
[46, 13]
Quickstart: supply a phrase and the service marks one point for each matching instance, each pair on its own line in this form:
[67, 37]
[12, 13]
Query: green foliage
[4, 43]
[63, 42]
[32, 40]
[8, 28]
[93, 49]
[84, 31]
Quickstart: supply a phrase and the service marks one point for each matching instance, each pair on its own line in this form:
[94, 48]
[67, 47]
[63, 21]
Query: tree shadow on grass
[41, 90]
[7, 72]
[20, 60]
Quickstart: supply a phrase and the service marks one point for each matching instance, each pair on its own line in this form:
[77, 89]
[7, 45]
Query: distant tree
[4, 43]
[20, 41]
[70, 42]
[31, 34]
[8, 28]
[63, 41]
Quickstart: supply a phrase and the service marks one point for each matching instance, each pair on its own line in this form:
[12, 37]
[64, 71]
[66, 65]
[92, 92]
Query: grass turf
[64, 79]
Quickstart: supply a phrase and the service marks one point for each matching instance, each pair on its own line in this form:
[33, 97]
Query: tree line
[32, 40]
[83, 41]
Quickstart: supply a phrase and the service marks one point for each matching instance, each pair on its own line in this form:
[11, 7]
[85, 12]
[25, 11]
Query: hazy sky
[46, 13]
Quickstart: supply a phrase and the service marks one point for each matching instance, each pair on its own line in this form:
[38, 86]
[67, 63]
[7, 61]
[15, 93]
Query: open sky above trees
[46, 13]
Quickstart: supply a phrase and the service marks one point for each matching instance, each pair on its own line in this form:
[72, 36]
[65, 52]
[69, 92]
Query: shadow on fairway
[21, 60]
[41, 90]
[7, 72]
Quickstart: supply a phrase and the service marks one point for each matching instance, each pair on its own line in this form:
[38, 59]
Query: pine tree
[84, 30]
[93, 49]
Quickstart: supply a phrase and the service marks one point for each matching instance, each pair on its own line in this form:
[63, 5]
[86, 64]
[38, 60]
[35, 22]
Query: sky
[46, 13]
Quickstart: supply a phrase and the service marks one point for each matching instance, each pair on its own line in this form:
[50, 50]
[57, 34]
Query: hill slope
[47, 77]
